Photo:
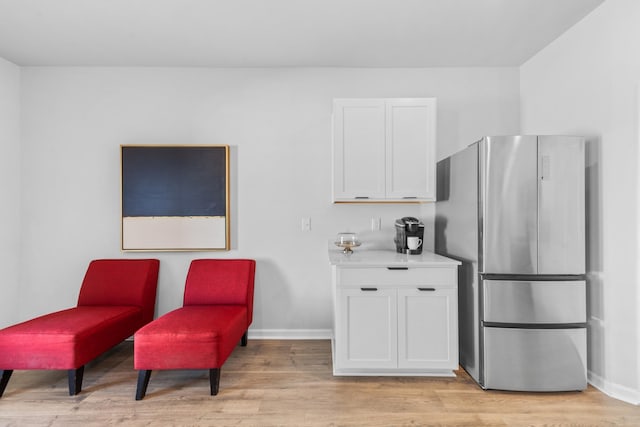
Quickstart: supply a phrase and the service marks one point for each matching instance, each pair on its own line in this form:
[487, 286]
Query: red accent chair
[216, 314]
[117, 297]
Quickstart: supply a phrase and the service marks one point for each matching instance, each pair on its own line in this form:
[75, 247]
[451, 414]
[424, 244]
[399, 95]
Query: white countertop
[377, 258]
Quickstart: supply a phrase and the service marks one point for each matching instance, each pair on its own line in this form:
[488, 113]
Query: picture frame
[175, 197]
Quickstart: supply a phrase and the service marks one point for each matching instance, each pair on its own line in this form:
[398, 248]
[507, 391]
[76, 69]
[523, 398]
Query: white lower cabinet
[367, 328]
[427, 329]
[397, 321]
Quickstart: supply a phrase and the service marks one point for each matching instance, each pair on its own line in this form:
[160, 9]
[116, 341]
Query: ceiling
[283, 33]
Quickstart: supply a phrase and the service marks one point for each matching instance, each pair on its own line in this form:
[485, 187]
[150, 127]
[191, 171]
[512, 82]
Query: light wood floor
[289, 383]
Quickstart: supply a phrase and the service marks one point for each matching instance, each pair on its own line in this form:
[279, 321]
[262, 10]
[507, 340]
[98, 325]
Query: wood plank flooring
[289, 383]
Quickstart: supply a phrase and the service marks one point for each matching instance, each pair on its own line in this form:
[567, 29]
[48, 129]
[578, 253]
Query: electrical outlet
[375, 224]
[306, 224]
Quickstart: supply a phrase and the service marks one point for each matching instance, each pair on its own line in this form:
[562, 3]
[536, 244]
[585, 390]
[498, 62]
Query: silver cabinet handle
[397, 268]
[427, 289]
[369, 289]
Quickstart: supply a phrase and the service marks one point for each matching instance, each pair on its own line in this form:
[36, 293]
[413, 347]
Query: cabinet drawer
[392, 276]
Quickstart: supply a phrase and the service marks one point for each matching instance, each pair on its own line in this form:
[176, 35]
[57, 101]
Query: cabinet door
[410, 148]
[427, 328]
[366, 327]
[359, 149]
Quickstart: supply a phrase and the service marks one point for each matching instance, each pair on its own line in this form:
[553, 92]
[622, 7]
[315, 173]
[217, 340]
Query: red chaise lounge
[216, 313]
[117, 297]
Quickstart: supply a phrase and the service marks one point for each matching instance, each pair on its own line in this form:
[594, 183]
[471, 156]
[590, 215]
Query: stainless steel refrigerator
[512, 209]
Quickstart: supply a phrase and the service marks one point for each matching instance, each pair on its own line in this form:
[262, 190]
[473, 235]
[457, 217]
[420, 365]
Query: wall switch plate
[375, 224]
[306, 224]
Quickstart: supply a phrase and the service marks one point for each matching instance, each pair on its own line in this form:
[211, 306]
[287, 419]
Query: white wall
[278, 124]
[9, 190]
[586, 83]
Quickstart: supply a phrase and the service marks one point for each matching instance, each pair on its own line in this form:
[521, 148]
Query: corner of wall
[10, 85]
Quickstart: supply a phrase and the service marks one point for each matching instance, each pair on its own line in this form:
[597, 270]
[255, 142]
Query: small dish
[347, 241]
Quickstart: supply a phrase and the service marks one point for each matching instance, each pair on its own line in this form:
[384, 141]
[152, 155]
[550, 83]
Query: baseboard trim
[616, 391]
[285, 334]
[290, 334]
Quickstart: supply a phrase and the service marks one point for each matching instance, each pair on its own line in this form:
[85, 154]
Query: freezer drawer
[534, 302]
[535, 359]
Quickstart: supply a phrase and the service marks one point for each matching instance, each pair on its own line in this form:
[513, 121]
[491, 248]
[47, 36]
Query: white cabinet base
[395, 316]
[390, 372]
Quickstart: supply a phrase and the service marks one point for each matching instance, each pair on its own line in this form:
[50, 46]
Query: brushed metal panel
[457, 205]
[561, 214]
[457, 236]
[535, 359]
[540, 302]
[509, 204]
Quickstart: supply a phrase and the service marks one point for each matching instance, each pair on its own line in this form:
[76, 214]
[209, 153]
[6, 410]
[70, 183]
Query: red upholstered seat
[116, 298]
[192, 337]
[66, 339]
[216, 313]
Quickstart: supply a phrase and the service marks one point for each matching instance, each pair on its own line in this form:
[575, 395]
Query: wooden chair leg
[143, 382]
[6, 374]
[243, 342]
[214, 380]
[75, 380]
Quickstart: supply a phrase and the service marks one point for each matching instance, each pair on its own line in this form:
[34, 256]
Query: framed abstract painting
[175, 197]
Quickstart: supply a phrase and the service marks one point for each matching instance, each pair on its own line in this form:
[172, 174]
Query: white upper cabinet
[410, 149]
[384, 150]
[359, 149]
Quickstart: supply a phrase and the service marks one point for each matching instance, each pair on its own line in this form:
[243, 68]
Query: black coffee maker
[408, 226]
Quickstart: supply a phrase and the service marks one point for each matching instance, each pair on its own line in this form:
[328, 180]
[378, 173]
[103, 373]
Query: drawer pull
[427, 289]
[397, 268]
[361, 197]
[368, 289]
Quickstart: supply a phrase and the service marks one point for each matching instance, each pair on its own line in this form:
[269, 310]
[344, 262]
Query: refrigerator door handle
[534, 325]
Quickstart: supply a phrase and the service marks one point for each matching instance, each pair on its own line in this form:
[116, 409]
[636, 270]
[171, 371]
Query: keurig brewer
[409, 235]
